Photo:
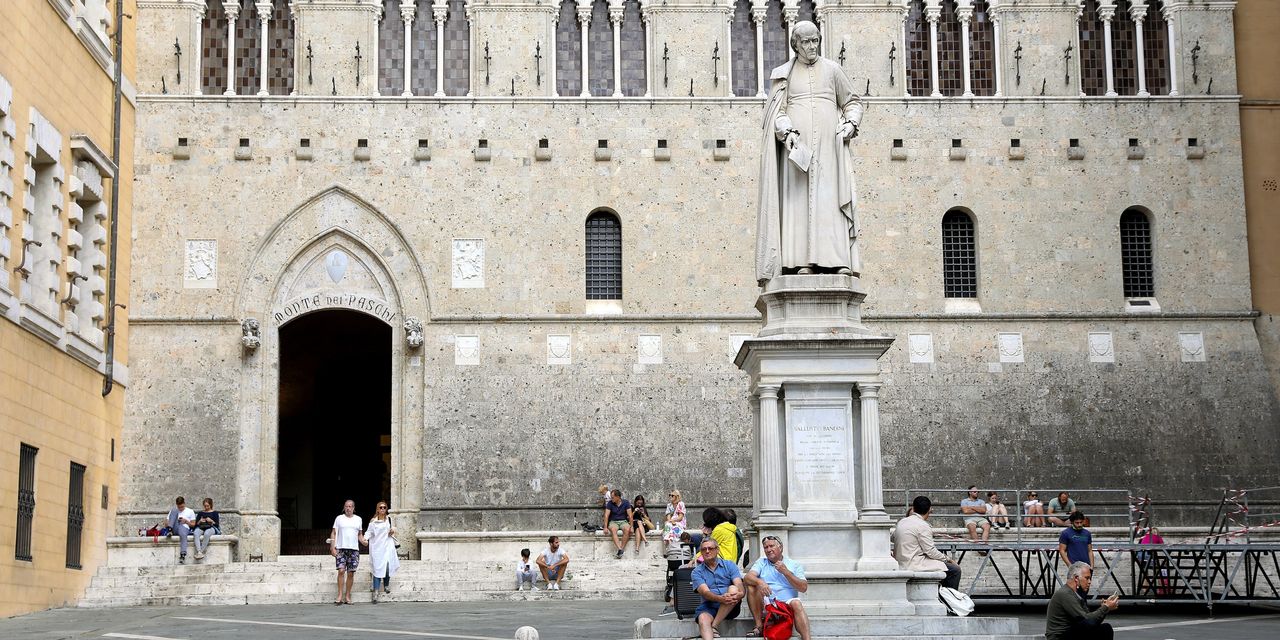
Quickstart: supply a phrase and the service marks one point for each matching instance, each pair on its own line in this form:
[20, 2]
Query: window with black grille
[604, 257]
[1093, 60]
[1135, 255]
[959, 256]
[1155, 46]
[950, 52]
[26, 501]
[1124, 50]
[919, 80]
[982, 50]
[75, 515]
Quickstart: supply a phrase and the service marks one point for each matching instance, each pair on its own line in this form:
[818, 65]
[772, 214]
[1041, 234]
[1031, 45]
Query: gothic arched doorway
[335, 423]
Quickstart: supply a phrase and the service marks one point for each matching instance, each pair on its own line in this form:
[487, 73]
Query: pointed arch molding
[335, 251]
[288, 264]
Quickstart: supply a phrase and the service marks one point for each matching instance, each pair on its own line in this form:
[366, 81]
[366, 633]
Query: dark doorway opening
[335, 423]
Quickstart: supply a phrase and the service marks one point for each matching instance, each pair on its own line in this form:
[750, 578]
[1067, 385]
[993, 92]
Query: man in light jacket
[913, 545]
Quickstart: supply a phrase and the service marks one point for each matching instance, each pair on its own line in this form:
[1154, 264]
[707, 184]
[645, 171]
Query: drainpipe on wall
[107, 381]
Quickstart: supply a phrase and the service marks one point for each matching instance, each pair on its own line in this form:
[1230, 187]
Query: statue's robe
[806, 219]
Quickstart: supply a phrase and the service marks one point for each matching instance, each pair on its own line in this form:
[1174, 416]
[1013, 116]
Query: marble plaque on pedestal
[820, 447]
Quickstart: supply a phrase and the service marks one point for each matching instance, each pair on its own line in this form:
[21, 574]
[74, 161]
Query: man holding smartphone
[1069, 617]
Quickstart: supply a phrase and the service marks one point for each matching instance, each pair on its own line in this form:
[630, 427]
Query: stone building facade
[63, 356]
[484, 291]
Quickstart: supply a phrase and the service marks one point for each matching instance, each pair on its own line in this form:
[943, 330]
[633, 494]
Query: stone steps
[861, 627]
[311, 580]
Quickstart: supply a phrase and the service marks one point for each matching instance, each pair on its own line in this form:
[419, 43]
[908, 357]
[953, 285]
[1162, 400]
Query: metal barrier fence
[1208, 573]
[1107, 507]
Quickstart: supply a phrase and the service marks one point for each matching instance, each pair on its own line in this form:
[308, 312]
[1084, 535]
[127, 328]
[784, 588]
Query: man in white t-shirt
[553, 562]
[182, 520]
[344, 546]
[777, 578]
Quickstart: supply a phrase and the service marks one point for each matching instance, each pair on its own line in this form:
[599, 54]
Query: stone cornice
[1171, 6]
[153, 98]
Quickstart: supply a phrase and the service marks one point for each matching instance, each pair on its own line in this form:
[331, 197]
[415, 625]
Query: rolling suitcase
[687, 600]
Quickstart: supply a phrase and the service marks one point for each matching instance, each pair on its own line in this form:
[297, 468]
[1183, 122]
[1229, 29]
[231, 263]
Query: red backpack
[778, 621]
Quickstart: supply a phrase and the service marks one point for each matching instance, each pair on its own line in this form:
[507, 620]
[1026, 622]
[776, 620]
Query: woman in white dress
[382, 550]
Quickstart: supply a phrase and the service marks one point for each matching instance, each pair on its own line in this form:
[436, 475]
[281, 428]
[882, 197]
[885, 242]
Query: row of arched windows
[960, 255]
[1132, 28]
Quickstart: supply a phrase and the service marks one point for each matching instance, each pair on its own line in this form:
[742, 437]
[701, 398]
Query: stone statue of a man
[807, 197]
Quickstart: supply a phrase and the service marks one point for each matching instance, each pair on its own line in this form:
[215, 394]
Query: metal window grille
[982, 50]
[604, 257]
[950, 52]
[213, 56]
[1136, 255]
[918, 81]
[807, 10]
[248, 48]
[1124, 50]
[632, 38]
[26, 501]
[743, 41]
[75, 515]
[777, 49]
[457, 49]
[568, 50]
[1155, 46]
[600, 50]
[959, 256]
[1093, 79]
[391, 50]
[281, 49]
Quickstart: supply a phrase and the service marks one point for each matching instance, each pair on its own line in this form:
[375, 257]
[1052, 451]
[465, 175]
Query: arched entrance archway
[335, 423]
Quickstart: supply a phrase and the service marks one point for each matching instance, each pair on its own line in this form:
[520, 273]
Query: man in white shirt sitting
[553, 562]
[778, 578]
[182, 520]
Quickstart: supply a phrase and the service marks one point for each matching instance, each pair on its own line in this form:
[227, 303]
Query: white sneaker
[534, 587]
[555, 586]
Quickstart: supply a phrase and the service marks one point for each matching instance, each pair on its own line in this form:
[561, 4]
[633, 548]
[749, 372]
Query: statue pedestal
[815, 382]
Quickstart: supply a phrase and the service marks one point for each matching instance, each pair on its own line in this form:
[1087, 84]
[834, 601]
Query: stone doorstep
[861, 626]
[146, 551]
[504, 546]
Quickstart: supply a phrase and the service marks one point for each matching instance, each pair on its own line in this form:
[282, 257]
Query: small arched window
[604, 257]
[959, 256]
[1135, 254]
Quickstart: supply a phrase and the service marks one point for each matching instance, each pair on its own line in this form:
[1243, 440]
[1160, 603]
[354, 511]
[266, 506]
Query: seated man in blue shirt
[719, 582]
[778, 578]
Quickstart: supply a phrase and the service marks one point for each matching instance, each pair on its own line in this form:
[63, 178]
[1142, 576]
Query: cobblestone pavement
[581, 620]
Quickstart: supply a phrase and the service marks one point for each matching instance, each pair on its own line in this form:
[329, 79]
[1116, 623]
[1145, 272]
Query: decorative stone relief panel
[1101, 347]
[466, 351]
[201, 265]
[1191, 345]
[649, 349]
[8, 132]
[559, 349]
[44, 208]
[920, 347]
[468, 263]
[1010, 347]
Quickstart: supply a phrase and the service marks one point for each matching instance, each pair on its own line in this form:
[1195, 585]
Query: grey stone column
[872, 490]
[770, 452]
[440, 12]
[1138, 12]
[615, 21]
[965, 12]
[584, 25]
[1173, 50]
[758, 12]
[933, 13]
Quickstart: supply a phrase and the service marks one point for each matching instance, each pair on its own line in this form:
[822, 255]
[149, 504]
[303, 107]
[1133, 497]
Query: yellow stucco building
[62, 201]
[1257, 50]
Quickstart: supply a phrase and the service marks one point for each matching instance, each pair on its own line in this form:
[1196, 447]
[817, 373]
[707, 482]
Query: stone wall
[496, 435]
